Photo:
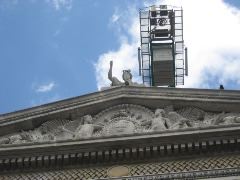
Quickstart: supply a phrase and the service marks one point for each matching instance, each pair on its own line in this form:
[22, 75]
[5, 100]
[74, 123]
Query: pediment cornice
[131, 123]
[151, 97]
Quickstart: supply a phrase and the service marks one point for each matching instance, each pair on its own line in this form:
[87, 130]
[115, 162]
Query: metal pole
[139, 61]
[186, 61]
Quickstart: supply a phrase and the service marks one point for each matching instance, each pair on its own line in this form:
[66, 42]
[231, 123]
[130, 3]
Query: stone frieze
[124, 119]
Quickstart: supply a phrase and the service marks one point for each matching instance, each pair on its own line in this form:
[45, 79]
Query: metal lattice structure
[162, 46]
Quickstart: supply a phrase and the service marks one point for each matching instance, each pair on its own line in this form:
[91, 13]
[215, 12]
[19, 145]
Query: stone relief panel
[121, 120]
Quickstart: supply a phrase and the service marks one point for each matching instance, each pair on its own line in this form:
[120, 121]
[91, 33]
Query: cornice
[151, 93]
[176, 142]
[93, 103]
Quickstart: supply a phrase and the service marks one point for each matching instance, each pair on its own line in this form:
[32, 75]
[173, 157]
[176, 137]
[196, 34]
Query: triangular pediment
[121, 111]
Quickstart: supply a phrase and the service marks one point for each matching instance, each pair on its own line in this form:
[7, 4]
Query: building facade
[125, 132]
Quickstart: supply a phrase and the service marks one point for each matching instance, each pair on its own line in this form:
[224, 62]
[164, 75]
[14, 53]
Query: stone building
[125, 132]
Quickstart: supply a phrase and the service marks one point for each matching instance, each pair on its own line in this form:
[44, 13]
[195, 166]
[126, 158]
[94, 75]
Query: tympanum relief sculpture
[121, 120]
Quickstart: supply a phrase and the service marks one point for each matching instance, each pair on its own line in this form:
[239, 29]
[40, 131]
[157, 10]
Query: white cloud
[125, 56]
[211, 33]
[211, 30]
[45, 87]
[58, 4]
[115, 18]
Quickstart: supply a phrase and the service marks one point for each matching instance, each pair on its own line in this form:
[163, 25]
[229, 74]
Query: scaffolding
[162, 46]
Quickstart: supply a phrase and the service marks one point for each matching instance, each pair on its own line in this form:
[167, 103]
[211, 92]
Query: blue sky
[56, 49]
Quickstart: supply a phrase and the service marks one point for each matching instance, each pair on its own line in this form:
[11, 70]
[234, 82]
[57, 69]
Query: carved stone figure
[121, 120]
[157, 123]
[34, 136]
[222, 119]
[86, 129]
[215, 120]
[237, 119]
[114, 80]
[176, 121]
[127, 78]
[230, 120]
[16, 139]
[63, 134]
[4, 140]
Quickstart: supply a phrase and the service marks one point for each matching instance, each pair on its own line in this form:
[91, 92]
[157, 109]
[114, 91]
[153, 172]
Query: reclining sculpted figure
[157, 123]
[127, 77]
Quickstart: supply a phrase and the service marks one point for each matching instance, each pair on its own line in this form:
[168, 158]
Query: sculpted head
[139, 116]
[87, 119]
[237, 120]
[43, 129]
[16, 138]
[127, 76]
[159, 112]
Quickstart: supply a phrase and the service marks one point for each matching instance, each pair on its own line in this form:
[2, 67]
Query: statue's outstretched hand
[111, 63]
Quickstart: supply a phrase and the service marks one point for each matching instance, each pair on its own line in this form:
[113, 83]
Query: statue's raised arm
[110, 71]
[127, 78]
[114, 80]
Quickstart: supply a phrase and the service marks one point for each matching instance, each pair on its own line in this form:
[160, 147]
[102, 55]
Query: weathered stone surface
[153, 98]
[121, 120]
[126, 76]
[124, 124]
